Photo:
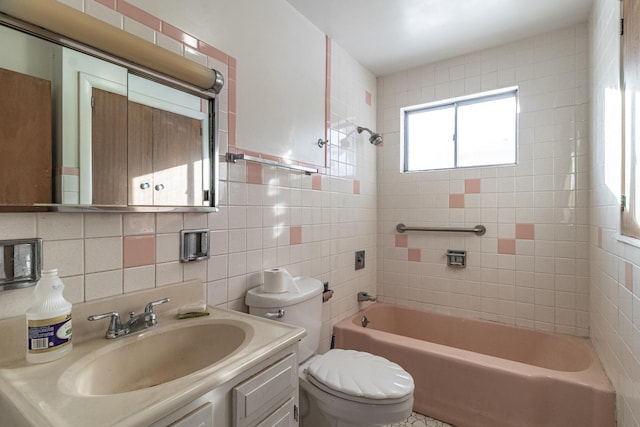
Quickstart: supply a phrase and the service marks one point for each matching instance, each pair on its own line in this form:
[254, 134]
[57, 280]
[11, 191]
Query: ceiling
[387, 36]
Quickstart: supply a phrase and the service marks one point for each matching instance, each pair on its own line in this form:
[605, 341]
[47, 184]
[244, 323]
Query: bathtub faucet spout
[364, 296]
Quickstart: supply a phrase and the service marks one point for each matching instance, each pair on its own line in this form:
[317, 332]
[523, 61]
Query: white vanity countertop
[41, 394]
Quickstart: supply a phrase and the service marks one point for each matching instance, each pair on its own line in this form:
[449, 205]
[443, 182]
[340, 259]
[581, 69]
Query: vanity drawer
[265, 391]
[281, 417]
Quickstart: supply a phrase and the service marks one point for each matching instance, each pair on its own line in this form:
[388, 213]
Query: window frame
[476, 98]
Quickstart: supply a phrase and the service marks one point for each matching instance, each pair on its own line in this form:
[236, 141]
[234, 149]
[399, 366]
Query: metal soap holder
[456, 258]
[20, 263]
[194, 245]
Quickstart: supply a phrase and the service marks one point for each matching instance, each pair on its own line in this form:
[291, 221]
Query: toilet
[340, 388]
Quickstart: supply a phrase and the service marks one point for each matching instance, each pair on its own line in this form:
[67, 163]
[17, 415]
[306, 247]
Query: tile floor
[419, 420]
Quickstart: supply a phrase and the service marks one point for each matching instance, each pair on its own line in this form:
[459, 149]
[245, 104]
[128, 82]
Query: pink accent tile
[231, 117]
[525, 231]
[472, 186]
[367, 97]
[356, 186]
[179, 35]
[628, 276]
[232, 68]
[295, 235]
[600, 237]
[402, 241]
[254, 173]
[456, 200]
[507, 246]
[111, 4]
[139, 250]
[138, 14]
[316, 182]
[232, 96]
[213, 52]
[414, 255]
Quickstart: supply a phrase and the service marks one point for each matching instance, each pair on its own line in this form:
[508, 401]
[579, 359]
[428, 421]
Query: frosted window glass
[487, 133]
[430, 135]
[476, 131]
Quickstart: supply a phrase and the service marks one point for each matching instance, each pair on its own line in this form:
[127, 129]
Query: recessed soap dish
[20, 263]
[194, 245]
[456, 258]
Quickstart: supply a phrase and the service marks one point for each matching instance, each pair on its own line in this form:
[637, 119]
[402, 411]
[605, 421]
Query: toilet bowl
[353, 389]
[340, 388]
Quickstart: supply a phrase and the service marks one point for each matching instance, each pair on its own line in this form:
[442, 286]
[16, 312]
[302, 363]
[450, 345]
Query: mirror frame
[209, 95]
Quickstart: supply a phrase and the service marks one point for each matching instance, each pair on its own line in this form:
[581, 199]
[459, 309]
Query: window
[472, 131]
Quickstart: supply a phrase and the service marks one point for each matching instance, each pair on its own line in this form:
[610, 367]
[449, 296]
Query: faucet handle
[115, 326]
[149, 307]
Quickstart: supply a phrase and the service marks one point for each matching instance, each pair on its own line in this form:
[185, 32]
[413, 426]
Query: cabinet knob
[159, 187]
[145, 185]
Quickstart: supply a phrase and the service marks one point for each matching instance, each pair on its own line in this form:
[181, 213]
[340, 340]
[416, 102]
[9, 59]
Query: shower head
[375, 138]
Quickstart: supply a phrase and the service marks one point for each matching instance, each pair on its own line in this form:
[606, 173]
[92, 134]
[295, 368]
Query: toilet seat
[360, 377]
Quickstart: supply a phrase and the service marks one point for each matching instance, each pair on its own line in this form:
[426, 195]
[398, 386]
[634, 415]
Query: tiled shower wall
[268, 217]
[531, 268]
[615, 265]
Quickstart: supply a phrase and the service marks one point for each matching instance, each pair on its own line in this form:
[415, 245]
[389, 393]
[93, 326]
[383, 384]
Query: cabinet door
[284, 416]
[256, 397]
[108, 148]
[140, 153]
[177, 159]
[25, 139]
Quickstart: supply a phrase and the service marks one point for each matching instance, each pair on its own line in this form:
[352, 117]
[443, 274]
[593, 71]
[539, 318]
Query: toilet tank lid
[308, 287]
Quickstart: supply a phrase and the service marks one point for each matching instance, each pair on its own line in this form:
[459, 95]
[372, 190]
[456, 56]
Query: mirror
[90, 134]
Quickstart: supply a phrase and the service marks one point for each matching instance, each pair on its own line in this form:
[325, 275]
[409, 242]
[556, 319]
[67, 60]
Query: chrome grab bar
[478, 229]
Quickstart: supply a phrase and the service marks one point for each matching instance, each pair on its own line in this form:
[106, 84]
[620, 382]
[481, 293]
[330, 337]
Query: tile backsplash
[268, 217]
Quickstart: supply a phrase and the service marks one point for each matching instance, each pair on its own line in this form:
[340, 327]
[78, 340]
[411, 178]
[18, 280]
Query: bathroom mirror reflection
[90, 134]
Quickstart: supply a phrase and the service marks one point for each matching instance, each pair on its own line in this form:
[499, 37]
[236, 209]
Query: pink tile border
[402, 241]
[456, 200]
[414, 255]
[507, 246]
[179, 35]
[213, 52]
[139, 15]
[367, 97]
[472, 186]
[111, 4]
[295, 235]
[138, 250]
[525, 231]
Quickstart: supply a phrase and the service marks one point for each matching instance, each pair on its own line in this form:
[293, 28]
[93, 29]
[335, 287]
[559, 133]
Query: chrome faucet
[364, 296]
[136, 323]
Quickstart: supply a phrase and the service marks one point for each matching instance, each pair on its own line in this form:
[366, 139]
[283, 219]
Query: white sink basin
[152, 358]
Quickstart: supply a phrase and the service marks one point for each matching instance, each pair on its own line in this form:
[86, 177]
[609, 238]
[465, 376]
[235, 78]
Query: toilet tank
[302, 307]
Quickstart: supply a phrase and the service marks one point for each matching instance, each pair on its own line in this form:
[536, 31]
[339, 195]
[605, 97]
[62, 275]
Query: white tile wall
[614, 309]
[251, 231]
[544, 282]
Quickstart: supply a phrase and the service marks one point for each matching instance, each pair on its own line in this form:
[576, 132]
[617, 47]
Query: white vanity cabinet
[264, 396]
